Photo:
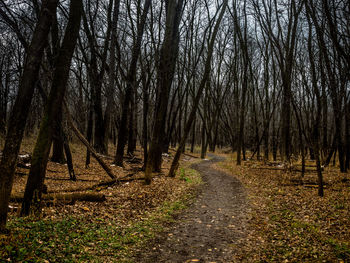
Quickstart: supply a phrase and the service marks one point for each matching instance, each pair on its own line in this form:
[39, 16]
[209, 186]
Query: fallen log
[313, 186]
[268, 168]
[21, 174]
[133, 159]
[186, 154]
[69, 197]
[130, 158]
[106, 183]
[23, 160]
[283, 169]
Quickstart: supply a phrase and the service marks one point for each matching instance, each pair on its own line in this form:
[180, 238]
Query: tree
[19, 112]
[53, 108]
[166, 69]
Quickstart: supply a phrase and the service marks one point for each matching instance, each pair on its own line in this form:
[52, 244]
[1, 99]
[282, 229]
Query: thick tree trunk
[58, 142]
[58, 150]
[53, 108]
[20, 111]
[166, 70]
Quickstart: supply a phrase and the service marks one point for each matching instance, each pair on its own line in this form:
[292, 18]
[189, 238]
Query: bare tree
[19, 112]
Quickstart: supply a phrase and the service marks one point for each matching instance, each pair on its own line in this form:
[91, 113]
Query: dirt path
[205, 231]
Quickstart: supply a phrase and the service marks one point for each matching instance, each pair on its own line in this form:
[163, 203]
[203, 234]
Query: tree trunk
[347, 136]
[145, 98]
[99, 132]
[53, 108]
[286, 119]
[58, 142]
[89, 135]
[132, 124]
[242, 36]
[20, 111]
[316, 132]
[203, 142]
[193, 136]
[166, 70]
[266, 142]
[69, 159]
[274, 141]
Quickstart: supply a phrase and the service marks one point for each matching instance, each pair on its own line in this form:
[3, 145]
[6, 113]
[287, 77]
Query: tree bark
[58, 142]
[89, 135]
[204, 143]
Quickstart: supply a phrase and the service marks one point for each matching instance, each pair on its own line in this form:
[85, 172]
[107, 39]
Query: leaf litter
[131, 209]
[288, 222]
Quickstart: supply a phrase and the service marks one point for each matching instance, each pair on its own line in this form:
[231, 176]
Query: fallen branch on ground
[187, 154]
[87, 144]
[69, 197]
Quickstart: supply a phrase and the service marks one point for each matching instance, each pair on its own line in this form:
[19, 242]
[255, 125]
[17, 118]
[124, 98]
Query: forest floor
[207, 231]
[213, 211]
[288, 221]
[108, 231]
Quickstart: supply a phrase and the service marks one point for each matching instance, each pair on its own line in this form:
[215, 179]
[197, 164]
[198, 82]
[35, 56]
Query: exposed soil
[207, 230]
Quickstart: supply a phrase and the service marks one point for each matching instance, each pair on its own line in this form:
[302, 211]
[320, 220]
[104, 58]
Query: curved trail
[205, 231]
